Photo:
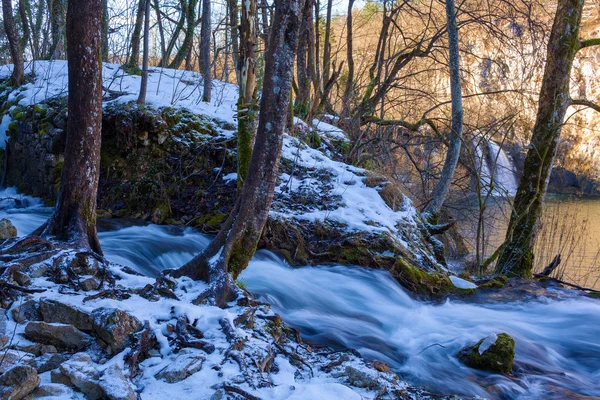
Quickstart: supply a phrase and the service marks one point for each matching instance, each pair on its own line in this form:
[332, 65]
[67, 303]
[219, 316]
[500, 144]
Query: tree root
[241, 392]
[145, 341]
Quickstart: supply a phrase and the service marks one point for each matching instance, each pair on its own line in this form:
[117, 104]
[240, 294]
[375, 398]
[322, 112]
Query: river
[557, 341]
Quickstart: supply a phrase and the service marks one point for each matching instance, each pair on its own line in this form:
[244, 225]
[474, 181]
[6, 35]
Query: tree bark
[144, 82]
[304, 59]
[13, 43]
[239, 235]
[105, 30]
[57, 24]
[443, 185]
[205, 37]
[134, 59]
[350, 59]
[23, 9]
[516, 256]
[247, 105]
[232, 7]
[186, 46]
[161, 32]
[175, 36]
[74, 219]
[327, 43]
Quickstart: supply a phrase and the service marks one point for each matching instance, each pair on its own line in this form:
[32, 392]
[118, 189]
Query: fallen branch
[583, 288]
[241, 392]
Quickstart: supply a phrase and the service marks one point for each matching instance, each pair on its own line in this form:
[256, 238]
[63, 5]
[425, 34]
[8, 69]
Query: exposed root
[145, 341]
[241, 392]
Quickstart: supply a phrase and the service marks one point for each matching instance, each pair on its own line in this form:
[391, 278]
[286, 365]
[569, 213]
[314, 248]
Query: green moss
[430, 284]
[313, 139]
[40, 109]
[133, 70]
[493, 284]
[13, 126]
[212, 221]
[239, 258]
[240, 284]
[499, 357]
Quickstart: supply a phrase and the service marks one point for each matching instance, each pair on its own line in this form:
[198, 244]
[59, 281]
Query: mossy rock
[210, 223]
[495, 353]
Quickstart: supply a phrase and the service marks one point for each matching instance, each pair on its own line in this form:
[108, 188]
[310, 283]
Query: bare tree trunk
[144, 83]
[304, 59]
[350, 60]
[239, 235]
[23, 8]
[57, 24]
[186, 46]
[74, 219]
[134, 59]
[105, 30]
[443, 185]
[247, 106]
[13, 43]
[175, 36]
[205, 50]
[161, 32]
[327, 43]
[516, 256]
[232, 6]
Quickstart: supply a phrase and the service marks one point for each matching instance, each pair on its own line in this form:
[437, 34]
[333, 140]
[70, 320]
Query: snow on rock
[462, 283]
[329, 131]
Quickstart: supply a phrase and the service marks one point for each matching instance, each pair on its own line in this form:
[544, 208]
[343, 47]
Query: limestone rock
[51, 391]
[89, 283]
[495, 353]
[113, 327]
[55, 311]
[49, 361]
[83, 375]
[7, 229]
[11, 358]
[181, 366]
[361, 379]
[18, 382]
[116, 386]
[3, 329]
[60, 335]
[28, 311]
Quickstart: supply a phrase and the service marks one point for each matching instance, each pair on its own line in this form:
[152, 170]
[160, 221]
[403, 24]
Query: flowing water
[557, 342]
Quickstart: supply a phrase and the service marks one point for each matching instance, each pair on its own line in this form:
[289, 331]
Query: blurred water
[557, 342]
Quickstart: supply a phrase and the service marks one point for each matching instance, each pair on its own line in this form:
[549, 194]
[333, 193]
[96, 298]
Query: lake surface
[570, 227]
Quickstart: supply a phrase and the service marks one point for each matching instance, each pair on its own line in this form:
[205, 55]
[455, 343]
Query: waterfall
[492, 161]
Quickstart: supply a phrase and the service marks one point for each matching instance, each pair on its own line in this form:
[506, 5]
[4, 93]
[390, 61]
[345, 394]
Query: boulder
[55, 311]
[361, 379]
[3, 329]
[182, 365]
[28, 311]
[113, 327]
[37, 349]
[51, 391]
[116, 386]
[83, 375]
[49, 361]
[18, 381]
[11, 358]
[7, 229]
[89, 283]
[495, 353]
[60, 335]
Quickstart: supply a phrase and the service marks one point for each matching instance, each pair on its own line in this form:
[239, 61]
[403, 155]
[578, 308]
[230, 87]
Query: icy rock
[55, 311]
[49, 361]
[36, 349]
[7, 229]
[490, 355]
[89, 283]
[113, 327]
[51, 391]
[12, 358]
[116, 386]
[83, 375]
[181, 366]
[462, 283]
[18, 382]
[61, 335]
[3, 330]
[28, 311]
[360, 378]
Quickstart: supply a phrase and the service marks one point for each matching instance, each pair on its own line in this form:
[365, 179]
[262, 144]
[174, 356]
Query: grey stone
[11, 358]
[181, 366]
[60, 335]
[56, 311]
[83, 375]
[113, 327]
[28, 311]
[58, 377]
[49, 361]
[361, 379]
[7, 229]
[3, 329]
[18, 382]
[51, 390]
[116, 386]
[89, 283]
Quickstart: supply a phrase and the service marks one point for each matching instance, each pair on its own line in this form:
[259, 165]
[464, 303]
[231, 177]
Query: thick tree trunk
[13, 43]
[144, 83]
[232, 8]
[516, 257]
[74, 219]
[136, 35]
[443, 185]
[205, 38]
[238, 238]
[186, 46]
[327, 43]
[23, 10]
[247, 106]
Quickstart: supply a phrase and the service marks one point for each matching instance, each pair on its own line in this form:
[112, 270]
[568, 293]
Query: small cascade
[492, 162]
